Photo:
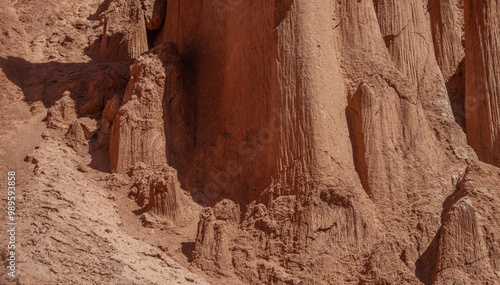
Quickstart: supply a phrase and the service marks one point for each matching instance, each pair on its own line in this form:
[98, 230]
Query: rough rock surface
[124, 35]
[211, 250]
[71, 216]
[154, 13]
[447, 22]
[482, 88]
[76, 220]
[151, 124]
[254, 142]
[158, 191]
[62, 113]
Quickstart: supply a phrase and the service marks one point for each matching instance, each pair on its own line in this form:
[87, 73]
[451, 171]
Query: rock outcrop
[154, 13]
[158, 191]
[482, 87]
[63, 113]
[379, 55]
[325, 142]
[447, 23]
[215, 229]
[124, 35]
[108, 115]
[139, 130]
[467, 250]
[80, 132]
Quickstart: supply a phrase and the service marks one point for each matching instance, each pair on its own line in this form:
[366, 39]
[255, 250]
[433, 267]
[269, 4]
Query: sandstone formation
[154, 13]
[466, 237]
[124, 35]
[158, 191]
[94, 248]
[62, 113]
[482, 91]
[108, 115]
[261, 142]
[447, 22]
[212, 242]
[138, 131]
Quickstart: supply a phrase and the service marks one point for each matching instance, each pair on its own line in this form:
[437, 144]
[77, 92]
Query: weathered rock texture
[447, 22]
[335, 141]
[73, 221]
[213, 236]
[482, 93]
[325, 138]
[158, 191]
[153, 120]
[154, 13]
[124, 35]
[466, 250]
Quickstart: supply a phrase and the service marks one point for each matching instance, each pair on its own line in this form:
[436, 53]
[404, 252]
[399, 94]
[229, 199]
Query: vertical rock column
[461, 245]
[163, 191]
[447, 30]
[219, 41]
[406, 29]
[447, 23]
[482, 73]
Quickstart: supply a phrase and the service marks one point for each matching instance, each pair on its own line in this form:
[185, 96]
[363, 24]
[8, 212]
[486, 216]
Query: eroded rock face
[447, 23]
[467, 252]
[482, 91]
[102, 86]
[79, 133]
[154, 13]
[320, 133]
[215, 229]
[108, 115]
[124, 36]
[380, 56]
[460, 240]
[146, 129]
[158, 191]
[62, 113]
